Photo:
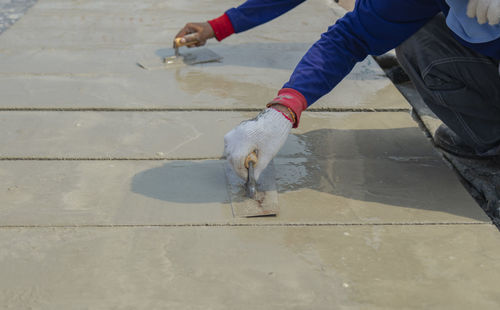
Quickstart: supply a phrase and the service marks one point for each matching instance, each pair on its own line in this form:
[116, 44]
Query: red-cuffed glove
[264, 135]
[293, 100]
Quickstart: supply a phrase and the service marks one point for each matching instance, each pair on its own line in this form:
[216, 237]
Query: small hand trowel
[251, 198]
[171, 58]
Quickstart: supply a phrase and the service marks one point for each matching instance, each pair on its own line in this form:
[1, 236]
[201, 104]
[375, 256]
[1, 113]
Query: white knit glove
[484, 11]
[264, 134]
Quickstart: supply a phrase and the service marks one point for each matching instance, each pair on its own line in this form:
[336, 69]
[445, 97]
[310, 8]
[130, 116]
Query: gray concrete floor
[113, 193]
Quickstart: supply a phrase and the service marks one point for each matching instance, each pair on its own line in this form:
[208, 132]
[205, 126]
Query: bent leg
[459, 85]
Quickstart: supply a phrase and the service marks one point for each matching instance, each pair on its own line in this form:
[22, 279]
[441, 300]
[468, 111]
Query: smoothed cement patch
[364, 267]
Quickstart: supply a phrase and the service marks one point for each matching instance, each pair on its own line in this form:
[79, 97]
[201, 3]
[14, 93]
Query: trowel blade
[266, 196]
[166, 59]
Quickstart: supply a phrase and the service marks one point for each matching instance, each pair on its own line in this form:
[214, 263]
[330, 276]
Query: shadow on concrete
[184, 182]
[390, 166]
[272, 55]
[275, 55]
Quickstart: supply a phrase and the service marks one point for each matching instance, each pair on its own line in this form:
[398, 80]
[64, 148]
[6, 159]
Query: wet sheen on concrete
[83, 52]
[335, 191]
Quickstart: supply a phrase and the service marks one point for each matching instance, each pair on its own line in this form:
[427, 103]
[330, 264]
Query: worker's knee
[437, 72]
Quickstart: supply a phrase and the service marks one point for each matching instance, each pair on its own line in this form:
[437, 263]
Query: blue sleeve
[374, 27]
[257, 12]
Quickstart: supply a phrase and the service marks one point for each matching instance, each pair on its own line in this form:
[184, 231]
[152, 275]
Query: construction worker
[449, 48]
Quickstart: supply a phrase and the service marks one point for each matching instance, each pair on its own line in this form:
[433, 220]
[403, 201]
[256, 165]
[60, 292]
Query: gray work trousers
[459, 85]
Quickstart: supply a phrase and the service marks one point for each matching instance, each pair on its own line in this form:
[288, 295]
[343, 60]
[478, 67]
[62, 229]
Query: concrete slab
[194, 135]
[85, 24]
[61, 48]
[342, 190]
[113, 80]
[342, 267]
[345, 160]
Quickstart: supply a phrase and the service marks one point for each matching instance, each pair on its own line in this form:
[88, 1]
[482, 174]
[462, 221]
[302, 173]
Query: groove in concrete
[323, 109]
[244, 225]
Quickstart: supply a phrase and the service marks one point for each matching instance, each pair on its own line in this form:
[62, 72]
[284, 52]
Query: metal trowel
[172, 58]
[252, 198]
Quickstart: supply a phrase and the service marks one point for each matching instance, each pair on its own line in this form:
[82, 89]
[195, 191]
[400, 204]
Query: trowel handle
[192, 38]
[251, 158]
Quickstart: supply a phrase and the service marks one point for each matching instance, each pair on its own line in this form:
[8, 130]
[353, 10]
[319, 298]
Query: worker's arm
[374, 27]
[250, 14]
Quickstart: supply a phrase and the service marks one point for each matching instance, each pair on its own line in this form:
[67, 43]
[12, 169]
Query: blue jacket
[373, 28]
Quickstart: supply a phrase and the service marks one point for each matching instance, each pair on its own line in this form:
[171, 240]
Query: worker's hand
[203, 30]
[264, 134]
[484, 11]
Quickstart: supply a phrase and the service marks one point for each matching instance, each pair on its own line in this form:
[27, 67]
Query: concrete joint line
[246, 225]
[335, 110]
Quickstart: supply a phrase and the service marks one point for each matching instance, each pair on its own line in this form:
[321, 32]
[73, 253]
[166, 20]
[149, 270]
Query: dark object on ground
[482, 179]
[397, 75]
[392, 68]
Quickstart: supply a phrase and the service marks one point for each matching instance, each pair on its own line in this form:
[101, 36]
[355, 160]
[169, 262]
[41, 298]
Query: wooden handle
[252, 157]
[192, 38]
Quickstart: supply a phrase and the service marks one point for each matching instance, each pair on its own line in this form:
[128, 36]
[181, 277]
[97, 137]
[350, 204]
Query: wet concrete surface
[222, 84]
[93, 53]
[349, 191]
[112, 185]
[103, 79]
